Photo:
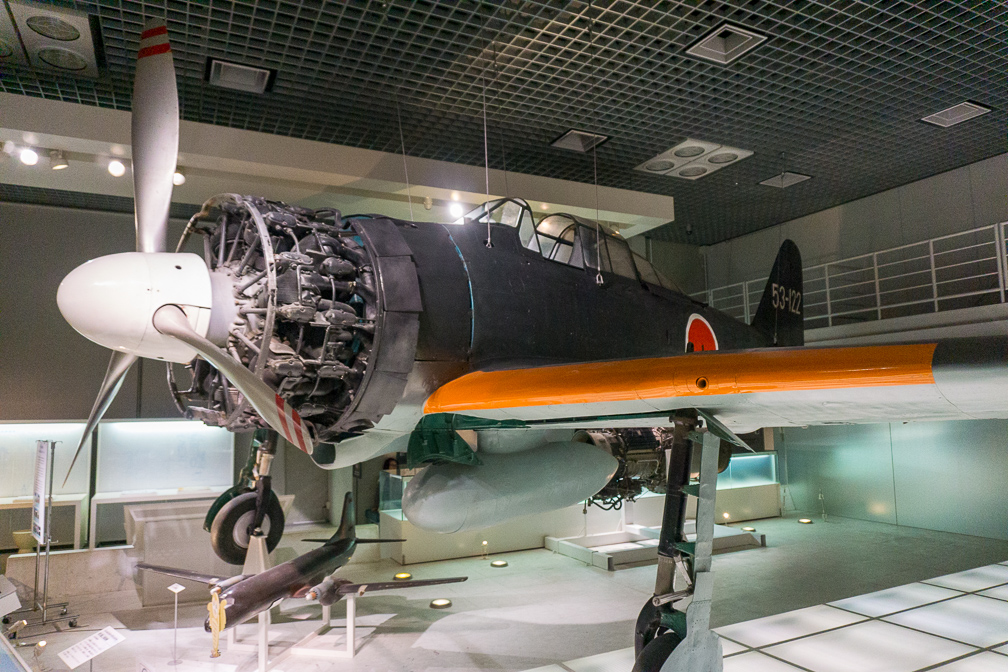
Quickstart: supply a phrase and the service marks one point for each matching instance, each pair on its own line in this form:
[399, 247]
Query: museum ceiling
[836, 91]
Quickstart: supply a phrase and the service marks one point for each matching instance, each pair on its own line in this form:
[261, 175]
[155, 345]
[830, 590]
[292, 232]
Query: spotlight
[402, 576]
[57, 159]
[116, 168]
[544, 206]
[178, 179]
[455, 196]
[748, 529]
[726, 516]
[29, 156]
[455, 210]
[499, 563]
[805, 521]
[440, 603]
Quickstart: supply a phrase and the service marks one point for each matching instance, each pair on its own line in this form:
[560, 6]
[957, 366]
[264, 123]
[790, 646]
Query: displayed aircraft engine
[641, 457]
[305, 288]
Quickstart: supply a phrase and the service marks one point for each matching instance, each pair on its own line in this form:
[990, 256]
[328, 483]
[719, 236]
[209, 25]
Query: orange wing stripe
[701, 374]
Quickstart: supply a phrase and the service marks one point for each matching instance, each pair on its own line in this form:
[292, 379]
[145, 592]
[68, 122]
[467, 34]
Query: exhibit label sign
[39, 500]
[86, 649]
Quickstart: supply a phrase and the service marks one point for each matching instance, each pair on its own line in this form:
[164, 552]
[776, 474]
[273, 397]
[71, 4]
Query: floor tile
[1000, 592]
[729, 647]
[756, 662]
[980, 621]
[773, 629]
[973, 579]
[621, 659]
[889, 601]
[982, 662]
[873, 646]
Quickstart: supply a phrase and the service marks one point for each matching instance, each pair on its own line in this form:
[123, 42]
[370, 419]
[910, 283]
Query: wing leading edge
[952, 379]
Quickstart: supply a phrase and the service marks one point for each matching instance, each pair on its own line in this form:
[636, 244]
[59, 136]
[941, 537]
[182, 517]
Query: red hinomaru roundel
[699, 335]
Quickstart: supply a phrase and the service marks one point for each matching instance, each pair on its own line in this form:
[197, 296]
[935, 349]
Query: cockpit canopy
[569, 239]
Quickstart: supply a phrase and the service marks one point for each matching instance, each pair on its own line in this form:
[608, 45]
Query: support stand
[42, 607]
[673, 630]
[257, 561]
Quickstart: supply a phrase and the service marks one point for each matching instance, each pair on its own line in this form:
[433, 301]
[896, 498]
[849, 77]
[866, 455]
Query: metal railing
[960, 270]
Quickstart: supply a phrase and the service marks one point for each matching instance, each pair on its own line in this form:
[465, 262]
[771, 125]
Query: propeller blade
[155, 132]
[172, 321]
[118, 367]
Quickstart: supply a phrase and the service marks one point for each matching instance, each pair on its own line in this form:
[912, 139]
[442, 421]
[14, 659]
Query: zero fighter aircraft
[530, 365]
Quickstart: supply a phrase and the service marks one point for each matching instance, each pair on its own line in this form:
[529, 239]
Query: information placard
[86, 649]
[39, 501]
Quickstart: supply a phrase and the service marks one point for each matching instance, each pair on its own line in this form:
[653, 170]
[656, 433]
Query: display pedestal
[257, 561]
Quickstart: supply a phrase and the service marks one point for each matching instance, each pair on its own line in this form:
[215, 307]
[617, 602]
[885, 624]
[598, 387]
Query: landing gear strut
[672, 631]
[248, 508]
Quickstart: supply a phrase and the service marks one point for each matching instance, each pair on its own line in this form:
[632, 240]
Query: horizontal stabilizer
[361, 588]
[208, 579]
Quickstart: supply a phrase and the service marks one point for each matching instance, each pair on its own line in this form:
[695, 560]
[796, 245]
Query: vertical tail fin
[346, 528]
[780, 316]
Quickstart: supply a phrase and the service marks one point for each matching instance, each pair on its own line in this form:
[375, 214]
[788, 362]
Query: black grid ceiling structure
[837, 91]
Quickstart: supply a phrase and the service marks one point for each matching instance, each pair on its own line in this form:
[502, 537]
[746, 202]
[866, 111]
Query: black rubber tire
[648, 627]
[656, 653]
[229, 532]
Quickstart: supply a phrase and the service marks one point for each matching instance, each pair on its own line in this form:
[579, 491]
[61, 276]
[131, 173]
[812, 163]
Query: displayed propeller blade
[172, 321]
[155, 132]
[118, 367]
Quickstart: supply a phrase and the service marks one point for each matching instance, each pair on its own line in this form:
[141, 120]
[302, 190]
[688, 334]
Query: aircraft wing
[769, 387]
[183, 574]
[361, 588]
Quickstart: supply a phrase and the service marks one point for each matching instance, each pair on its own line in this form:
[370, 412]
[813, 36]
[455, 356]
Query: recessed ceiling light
[723, 157]
[689, 151]
[178, 179]
[579, 141]
[455, 210]
[29, 156]
[725, 43]
[785, 180]
[956, 114]
[239, 77]
[116, 168]
[440, 603]
[659, 165]
[58, 160]
[62, 59]
[748, 529]
[499, 563]
[544, 206]
[53, 28]
[692, 171]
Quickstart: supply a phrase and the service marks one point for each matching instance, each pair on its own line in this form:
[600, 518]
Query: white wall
[961, 199]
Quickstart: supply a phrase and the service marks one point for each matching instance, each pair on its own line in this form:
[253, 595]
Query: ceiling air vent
[692, 159]
[579, 141]
[785, 180]
[956, 114]
[725, 43]
[229, 75]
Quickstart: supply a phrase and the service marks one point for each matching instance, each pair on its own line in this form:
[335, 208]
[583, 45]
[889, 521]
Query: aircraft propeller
[151, 303]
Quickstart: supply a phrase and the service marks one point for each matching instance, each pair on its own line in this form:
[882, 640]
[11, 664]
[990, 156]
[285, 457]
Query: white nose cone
[111, 301]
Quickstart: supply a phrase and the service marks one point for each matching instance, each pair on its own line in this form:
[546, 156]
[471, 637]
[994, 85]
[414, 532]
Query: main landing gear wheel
[648, 627]
[656, 653]
[233, 525]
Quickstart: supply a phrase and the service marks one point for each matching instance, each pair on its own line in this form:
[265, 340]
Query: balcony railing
[960, 270]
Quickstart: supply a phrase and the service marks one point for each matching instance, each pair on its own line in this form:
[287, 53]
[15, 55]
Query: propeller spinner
[114, 300]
